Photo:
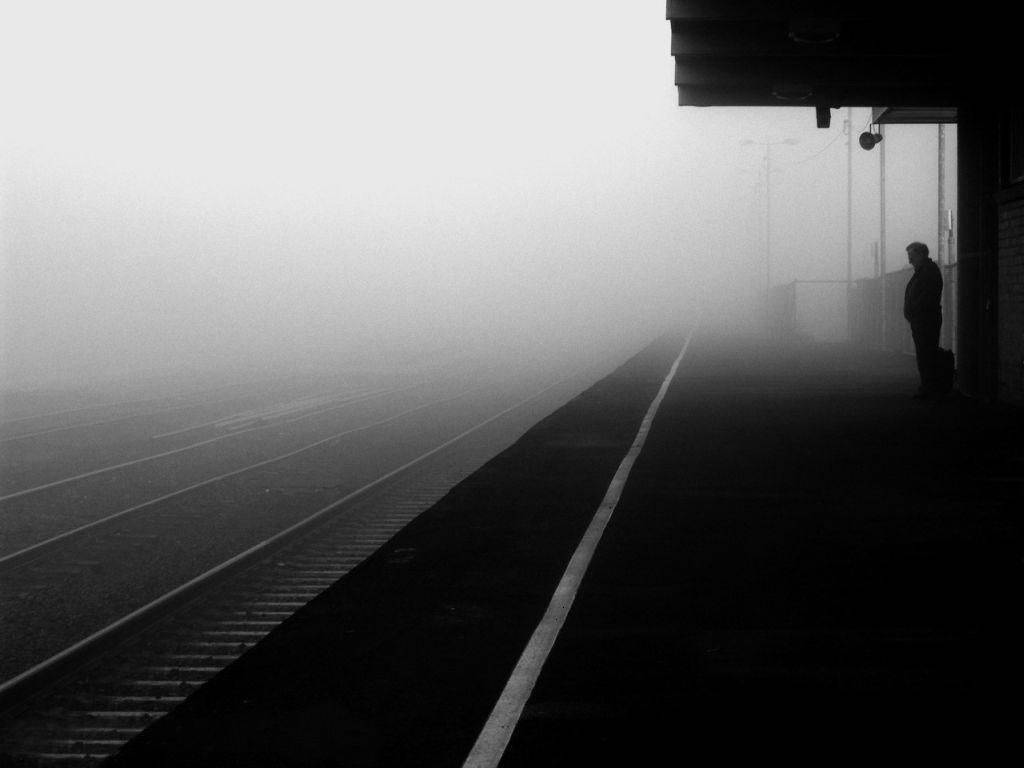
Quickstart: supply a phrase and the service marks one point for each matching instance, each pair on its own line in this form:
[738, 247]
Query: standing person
[922, 308]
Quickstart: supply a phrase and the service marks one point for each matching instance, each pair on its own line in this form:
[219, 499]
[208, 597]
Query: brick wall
[1011, 301]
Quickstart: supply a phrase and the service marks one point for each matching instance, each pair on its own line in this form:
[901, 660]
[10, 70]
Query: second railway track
[52, 595]
[10, 559]
[31, 517]
[99, 708]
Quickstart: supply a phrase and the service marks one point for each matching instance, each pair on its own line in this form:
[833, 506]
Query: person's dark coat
[923, 297]
[922, 306]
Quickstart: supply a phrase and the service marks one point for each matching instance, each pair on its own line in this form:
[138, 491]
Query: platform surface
[806, 564]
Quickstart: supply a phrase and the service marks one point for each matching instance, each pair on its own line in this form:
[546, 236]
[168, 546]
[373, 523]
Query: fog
[194, 185]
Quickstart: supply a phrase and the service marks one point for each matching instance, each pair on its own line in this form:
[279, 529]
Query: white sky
[193, 181]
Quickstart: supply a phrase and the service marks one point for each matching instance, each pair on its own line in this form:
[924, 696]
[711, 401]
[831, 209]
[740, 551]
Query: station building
[911, 62]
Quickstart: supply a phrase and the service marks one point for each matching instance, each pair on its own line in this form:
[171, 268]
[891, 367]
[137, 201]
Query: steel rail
[255, 413]
[16, 690]
[84, 425]
[27, 554]
[117, 403]
[208, 441]
[79, 410]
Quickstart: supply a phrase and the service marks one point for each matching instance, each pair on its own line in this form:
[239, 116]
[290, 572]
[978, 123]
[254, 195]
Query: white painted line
[497, 731]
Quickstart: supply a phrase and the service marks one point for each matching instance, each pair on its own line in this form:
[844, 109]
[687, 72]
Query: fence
[872, 327]
[809, 309]
[824, 310]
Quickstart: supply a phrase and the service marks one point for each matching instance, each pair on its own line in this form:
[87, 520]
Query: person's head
[917, 254]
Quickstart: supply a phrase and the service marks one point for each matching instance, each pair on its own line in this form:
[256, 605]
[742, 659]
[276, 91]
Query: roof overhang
[913, 115]
[907, 54]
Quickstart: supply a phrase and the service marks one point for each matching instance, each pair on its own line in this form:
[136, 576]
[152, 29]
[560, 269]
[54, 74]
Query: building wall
[1011, 301]
[978, 184]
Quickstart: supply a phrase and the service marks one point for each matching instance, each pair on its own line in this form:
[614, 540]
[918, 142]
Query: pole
[767, 216]
[941, 217]
[881, 234]
[849, 219]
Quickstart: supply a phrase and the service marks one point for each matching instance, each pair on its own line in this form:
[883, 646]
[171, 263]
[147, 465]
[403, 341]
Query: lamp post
[848, 129]
[768, 201]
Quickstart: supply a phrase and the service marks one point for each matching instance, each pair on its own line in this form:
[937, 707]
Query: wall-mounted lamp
[868, 140]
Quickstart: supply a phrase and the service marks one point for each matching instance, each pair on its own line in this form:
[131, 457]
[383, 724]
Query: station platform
[805, 564]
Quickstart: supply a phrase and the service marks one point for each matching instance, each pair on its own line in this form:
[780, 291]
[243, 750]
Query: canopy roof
[823, 53]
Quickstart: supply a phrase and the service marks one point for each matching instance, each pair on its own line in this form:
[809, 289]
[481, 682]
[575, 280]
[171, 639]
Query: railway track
[29, 469]
[95, 572]
[111, 420]
[153, 406]
[255, 424]
[32, 516]
[81, 703]
[39, 548]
